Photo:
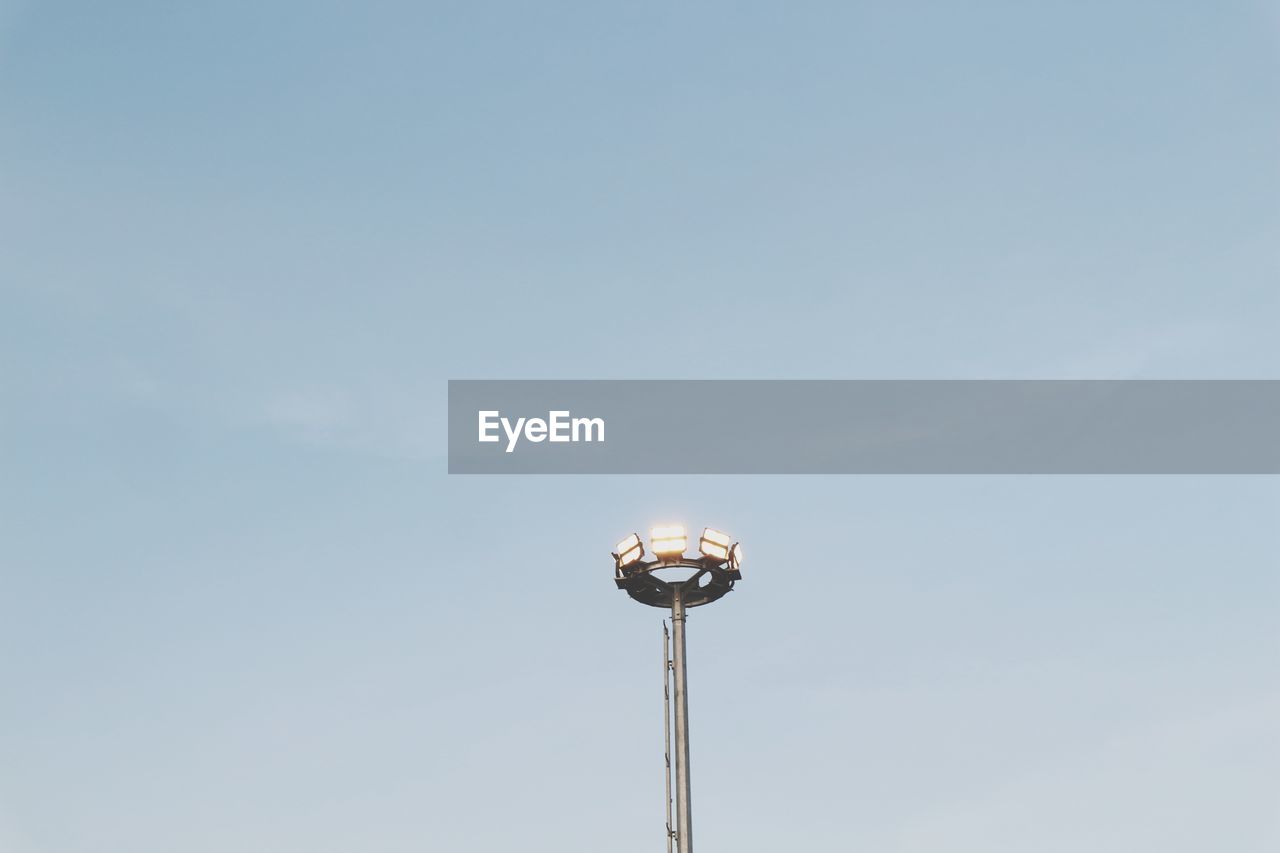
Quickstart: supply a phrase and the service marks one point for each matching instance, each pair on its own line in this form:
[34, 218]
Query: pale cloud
[12, 840]
[379, 420]
[314, 413]
[1200, 782]
[1156, 352]
[10, 11]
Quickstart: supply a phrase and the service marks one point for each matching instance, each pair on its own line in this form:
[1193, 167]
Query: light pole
[706, 578]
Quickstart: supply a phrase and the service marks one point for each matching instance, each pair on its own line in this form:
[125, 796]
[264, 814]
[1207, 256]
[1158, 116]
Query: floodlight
[668, 541]
[714, 544]
[735, 557]
[630, 550]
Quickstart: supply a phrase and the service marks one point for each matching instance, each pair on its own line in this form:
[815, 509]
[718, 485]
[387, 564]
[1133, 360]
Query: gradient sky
[243, 609]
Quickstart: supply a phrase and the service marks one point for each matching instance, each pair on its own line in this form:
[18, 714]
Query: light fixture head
[630, 550]
[669, 541]
[735, 557]
[714, 544]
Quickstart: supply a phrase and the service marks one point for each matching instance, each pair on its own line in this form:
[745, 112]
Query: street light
[714, 572]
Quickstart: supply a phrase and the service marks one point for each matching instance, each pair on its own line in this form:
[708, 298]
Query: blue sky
[243, 608]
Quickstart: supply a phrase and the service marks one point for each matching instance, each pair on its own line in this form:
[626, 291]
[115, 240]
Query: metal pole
[684, 817]
[666, 723]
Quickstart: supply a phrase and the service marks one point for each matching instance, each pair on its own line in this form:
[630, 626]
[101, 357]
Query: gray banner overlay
[865, 427]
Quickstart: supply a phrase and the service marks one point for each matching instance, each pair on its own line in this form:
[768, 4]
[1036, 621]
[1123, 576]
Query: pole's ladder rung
[666, 722]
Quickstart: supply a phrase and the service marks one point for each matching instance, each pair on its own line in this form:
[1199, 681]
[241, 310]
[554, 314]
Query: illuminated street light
[713, 574]
[668, 541]
[630, 550]
[714, 544]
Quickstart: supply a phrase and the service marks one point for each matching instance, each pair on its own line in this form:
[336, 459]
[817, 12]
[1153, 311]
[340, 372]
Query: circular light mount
[713, 572]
